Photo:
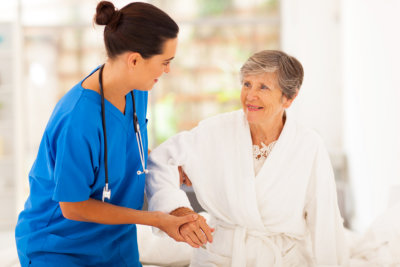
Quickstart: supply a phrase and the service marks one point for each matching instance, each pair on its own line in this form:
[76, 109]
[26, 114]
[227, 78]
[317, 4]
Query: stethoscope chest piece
[106, 193]
[106, 190]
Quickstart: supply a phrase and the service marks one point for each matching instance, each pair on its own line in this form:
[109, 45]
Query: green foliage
[213, 7]
[224, 96]
[165, 118]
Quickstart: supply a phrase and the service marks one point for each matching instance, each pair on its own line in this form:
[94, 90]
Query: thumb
[188, 218]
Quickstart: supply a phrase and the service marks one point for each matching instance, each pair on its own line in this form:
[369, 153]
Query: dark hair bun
[105, 12]
[137, 27]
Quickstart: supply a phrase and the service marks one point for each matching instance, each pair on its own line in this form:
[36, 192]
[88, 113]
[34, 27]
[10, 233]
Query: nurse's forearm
[96, 211]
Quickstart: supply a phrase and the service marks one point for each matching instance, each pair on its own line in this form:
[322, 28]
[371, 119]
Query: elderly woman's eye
[246, 84]
[263, 86]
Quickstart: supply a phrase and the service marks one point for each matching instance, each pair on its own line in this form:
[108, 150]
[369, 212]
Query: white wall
[350, 95]
[371, 43]
[310, 31]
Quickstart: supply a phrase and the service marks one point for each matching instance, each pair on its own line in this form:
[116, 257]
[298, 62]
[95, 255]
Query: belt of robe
[239, 238]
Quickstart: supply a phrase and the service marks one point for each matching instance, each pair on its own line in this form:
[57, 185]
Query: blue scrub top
[69, 168]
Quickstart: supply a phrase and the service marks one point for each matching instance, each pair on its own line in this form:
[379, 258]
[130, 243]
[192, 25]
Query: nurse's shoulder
[78, 110]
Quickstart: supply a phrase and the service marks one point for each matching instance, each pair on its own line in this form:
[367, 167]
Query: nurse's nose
[167, 69]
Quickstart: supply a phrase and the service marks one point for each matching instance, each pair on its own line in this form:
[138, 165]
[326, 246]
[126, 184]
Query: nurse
[90, 142]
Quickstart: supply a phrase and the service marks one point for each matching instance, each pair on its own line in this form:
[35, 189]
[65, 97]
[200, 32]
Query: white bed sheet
[380, 244]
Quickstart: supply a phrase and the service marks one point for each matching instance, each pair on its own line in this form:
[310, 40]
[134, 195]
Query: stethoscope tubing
[136, 126]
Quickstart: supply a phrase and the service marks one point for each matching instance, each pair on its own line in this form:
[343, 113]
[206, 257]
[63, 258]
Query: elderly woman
[265, 180]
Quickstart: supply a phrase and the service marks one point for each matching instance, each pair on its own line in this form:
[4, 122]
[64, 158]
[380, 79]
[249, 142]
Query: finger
[206, 231]
[187, 218]
[190, 242]
[193, 231]
[179, 238]
[201, 236]
[185, 232]
[195, 239]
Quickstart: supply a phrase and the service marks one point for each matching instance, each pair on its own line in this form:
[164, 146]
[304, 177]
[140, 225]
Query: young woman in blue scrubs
[65, 222]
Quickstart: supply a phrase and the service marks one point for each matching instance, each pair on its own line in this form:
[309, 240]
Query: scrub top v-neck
[69, 168]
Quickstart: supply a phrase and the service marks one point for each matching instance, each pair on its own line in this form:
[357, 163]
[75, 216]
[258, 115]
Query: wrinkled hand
[171, 224]
[183, 179]
[195, 233]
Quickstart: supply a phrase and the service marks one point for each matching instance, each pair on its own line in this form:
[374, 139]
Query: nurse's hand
[195, 233]
[183, 179]
[171, 224]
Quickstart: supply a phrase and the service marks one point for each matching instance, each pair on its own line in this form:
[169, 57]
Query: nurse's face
[150, 69]
[262, 99]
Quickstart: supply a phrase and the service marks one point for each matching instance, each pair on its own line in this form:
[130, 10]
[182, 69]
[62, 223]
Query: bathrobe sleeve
[162, 182]
[322, 213]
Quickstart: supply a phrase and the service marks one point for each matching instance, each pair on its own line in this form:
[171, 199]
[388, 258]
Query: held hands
[196, 233]
[171, 224]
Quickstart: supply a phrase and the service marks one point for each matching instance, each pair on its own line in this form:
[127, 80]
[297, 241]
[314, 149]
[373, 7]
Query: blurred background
[349, 49]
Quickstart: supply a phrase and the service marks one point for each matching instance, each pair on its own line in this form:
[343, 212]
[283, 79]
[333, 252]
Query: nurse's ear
[133, 59]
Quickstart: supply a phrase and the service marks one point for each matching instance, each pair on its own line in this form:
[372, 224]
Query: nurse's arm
[96, 211]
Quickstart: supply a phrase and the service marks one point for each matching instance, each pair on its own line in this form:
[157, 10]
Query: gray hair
[289, 70]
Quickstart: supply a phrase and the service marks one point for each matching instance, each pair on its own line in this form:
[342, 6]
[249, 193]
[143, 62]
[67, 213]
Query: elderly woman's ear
[288, 102]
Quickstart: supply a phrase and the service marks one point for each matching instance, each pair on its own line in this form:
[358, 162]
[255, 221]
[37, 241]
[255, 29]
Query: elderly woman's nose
[251, 94]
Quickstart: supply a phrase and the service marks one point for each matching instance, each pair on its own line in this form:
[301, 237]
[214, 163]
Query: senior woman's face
[262, 100]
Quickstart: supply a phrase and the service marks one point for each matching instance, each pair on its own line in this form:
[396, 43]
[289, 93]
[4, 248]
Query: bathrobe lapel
[246, 175]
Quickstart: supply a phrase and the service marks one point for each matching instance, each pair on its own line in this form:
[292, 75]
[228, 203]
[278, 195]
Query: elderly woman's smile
[265, 180]
[262, 99]
[253, 108]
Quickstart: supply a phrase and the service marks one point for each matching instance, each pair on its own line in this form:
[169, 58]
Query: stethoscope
[106, 189]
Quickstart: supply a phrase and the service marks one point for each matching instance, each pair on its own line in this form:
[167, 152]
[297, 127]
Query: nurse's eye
[166, 63]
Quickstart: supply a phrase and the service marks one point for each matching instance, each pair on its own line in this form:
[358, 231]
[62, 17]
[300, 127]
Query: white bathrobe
[287, 215]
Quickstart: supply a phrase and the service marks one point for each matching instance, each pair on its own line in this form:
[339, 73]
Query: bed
[378, 246]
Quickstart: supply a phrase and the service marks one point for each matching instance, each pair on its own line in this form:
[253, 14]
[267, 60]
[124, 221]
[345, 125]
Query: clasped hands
[196, 233]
